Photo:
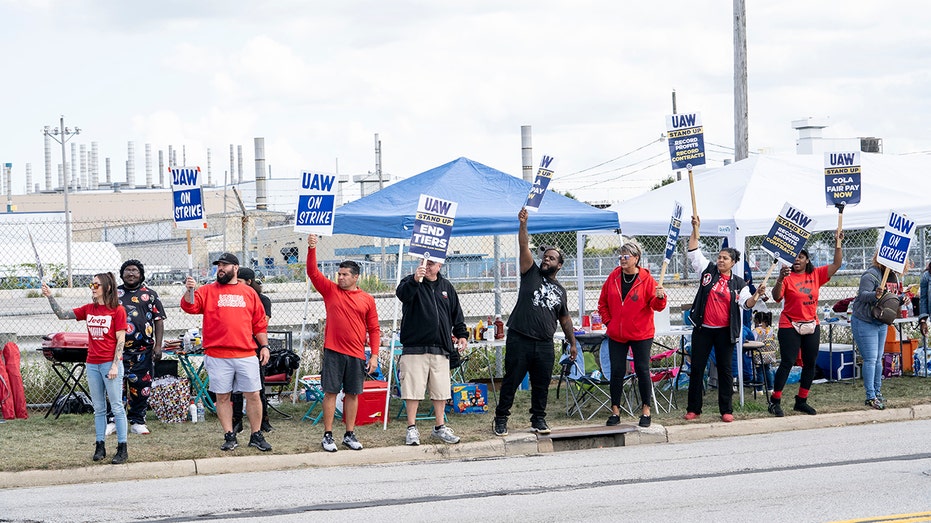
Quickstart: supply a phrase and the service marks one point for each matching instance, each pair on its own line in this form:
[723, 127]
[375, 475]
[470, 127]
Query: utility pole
[741, 116]
[61, 135]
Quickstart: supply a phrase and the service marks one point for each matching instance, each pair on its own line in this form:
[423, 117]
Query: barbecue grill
[68, 353]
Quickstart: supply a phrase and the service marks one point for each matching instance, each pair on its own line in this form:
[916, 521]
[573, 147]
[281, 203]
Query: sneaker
[349, 440]
[139, 428]
[644, 421]
[690, 416]
[328, 444]
[237, 426]
[257, 440]
[501, 426]
[266, 426]
[875, 403]
[111, 428]
[539, 426]
[445, 434]
[775, 408]
[613, 420]
[727, 418]
[413, 436]
[881, 398]
[229, 442]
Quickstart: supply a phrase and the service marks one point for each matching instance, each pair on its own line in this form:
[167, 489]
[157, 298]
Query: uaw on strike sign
[316, 202]
[897, 237]
[787, 237]
[188, 198]
[433, 226]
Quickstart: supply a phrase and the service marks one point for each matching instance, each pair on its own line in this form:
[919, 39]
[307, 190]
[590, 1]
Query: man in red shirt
[233, 314]
[350, 314]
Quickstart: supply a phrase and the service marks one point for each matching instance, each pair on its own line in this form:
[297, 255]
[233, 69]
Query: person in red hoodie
[628, 298]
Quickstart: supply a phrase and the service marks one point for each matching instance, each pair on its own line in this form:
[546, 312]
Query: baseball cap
[227, 258]
[245, 273]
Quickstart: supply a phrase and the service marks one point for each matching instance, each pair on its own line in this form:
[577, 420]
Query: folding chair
[664, 373]
[275, 384]
[587, 391]
[314, 392]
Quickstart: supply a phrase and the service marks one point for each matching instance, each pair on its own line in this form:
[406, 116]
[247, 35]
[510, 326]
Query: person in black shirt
[247, 276]
[541, 304]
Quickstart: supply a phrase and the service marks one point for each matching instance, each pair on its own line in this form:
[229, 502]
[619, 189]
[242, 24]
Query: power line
[661, 138]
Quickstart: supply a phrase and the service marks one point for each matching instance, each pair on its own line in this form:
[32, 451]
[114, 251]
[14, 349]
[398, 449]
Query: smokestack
[183, 155]
[239, 162]
[171, 157]
[109, 179]
[8, 183]
[83, 152]
[148, 165]
[526, 153]
[209, 171]
[48, 163]
[232, 165]
[29, 179]
[161, 168]
[130, 164]
[94, 167]
[73, 171]
[260, 191]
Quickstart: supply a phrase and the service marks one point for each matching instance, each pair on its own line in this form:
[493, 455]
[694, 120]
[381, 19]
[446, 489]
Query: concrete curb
[521, 444]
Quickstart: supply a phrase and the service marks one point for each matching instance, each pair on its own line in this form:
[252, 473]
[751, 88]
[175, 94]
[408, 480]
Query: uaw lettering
[897, 237]
[185, 177]
[842, 178]
[540, 183]
[316, 203]
[675, 225]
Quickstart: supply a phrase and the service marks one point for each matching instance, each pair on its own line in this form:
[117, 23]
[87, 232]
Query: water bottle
[200, 411]
[192, 412]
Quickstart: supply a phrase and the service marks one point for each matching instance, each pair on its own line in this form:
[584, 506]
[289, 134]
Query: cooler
[837, 361]
[372, 402]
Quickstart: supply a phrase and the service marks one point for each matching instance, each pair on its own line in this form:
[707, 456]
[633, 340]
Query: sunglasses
[625, 257]
[94, 286]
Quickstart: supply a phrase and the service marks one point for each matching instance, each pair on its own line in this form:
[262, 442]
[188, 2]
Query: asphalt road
[827, 474]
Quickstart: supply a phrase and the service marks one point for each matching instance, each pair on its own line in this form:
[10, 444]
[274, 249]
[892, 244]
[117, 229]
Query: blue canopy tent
[488, 203]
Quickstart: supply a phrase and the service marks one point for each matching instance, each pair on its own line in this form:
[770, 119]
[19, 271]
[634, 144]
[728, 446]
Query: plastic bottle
[596, 321]
[192, 412]
[480, 330]
[200, 412]
[499, 328]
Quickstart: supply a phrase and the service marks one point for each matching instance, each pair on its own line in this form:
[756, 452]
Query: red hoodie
[629, 319]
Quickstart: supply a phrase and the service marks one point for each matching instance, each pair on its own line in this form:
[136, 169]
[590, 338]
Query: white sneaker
[413, 436]
[139, 428]
[445, 434]
[111, 428]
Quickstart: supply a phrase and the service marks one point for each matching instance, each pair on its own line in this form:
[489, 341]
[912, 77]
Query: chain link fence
[483, 269]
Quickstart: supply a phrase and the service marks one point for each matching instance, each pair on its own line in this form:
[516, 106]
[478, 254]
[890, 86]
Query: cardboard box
[469, 398]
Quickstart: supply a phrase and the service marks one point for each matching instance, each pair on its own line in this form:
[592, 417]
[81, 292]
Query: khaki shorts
[424, 371]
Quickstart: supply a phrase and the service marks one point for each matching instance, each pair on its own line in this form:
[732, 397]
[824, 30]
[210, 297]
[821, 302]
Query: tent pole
[740, 242]
[580, 272]
[394, 331]
[303, 325]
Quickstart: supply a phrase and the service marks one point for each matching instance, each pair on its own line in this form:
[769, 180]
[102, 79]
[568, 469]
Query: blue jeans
[870, 338]
[101, 388]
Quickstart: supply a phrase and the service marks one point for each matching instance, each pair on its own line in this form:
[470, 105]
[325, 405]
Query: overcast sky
[439, 80]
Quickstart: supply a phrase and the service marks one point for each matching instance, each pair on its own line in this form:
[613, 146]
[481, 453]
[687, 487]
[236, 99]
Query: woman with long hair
[716, 314]
[106, 334]
[869, 333]
[628, 299]
[798, 324]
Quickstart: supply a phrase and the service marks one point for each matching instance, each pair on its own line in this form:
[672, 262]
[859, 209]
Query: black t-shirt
[143, 309]
[540, 303]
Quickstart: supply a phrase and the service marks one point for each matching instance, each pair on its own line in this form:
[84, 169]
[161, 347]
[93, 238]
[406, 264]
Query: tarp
[744, 198]
[488, 204]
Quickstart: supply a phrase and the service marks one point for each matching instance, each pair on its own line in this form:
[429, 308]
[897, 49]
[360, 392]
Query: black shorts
[341, 372]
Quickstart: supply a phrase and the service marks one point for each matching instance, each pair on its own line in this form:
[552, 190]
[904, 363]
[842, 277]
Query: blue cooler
[836, 363]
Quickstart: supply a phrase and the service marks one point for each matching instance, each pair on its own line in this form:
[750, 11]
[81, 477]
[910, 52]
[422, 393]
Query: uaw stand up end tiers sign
[433, 226]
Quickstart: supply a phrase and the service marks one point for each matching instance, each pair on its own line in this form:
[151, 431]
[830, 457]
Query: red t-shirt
[718, 306]
[800, 296]
[102, 326]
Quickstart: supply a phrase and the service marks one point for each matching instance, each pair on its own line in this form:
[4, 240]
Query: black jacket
[431, 315]
[708, 278]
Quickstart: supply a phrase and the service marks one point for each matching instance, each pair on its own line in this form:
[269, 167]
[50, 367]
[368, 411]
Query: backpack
[283, 361]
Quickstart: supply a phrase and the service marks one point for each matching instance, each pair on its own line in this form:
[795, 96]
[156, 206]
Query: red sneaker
[727, 418]
[689, 416]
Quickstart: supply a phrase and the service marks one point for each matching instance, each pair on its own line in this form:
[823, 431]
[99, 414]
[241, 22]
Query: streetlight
[61, 135]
